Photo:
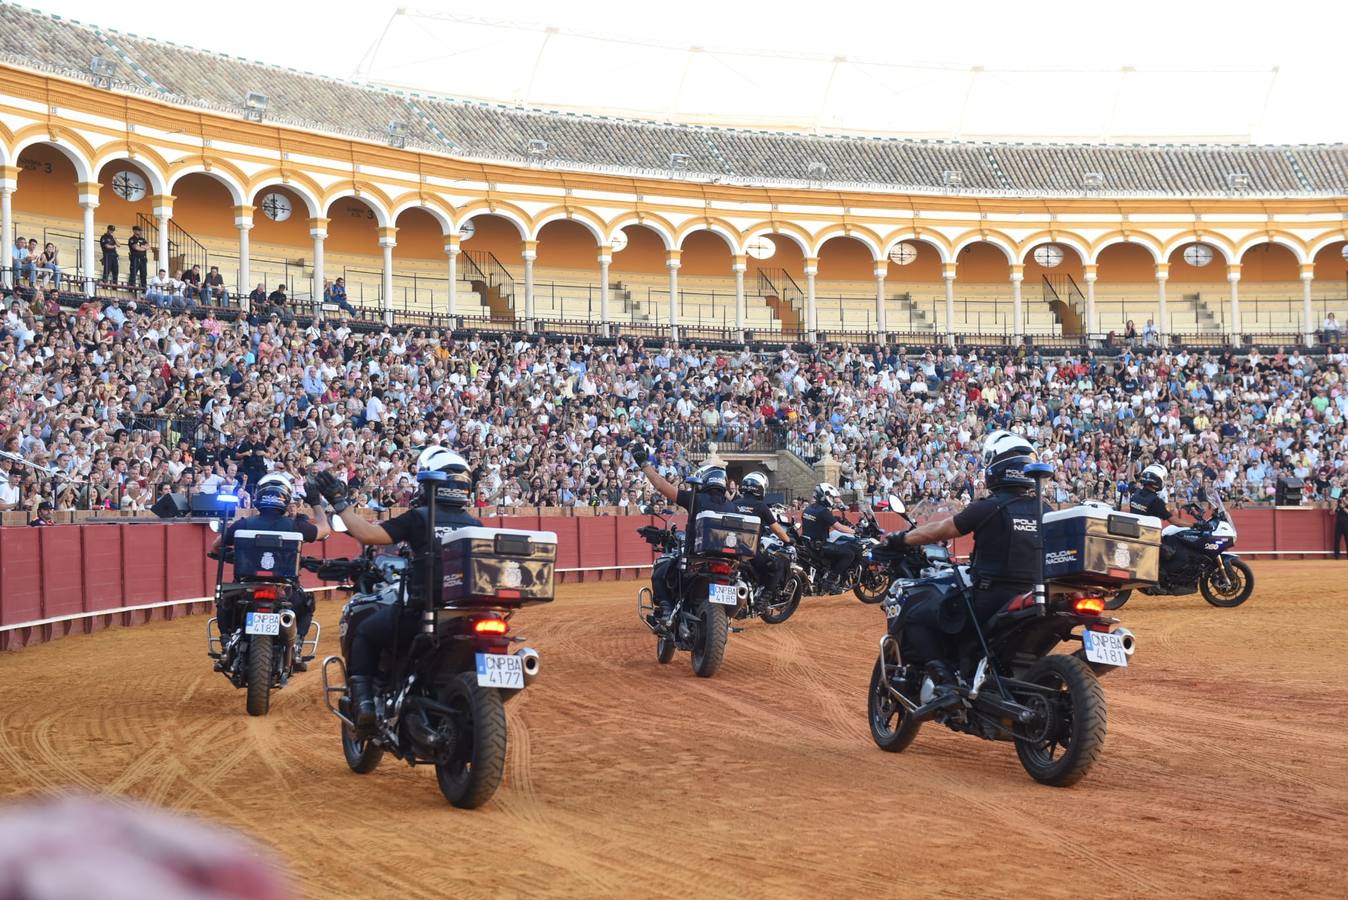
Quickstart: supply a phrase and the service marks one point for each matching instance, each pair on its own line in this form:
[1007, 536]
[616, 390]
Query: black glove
[333, 490]
[640, 456]
[312, 495]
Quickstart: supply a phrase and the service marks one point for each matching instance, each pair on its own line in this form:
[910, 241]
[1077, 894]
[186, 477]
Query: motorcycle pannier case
[497, 567]
[267, 554]
[1097, 546]
[725, 534]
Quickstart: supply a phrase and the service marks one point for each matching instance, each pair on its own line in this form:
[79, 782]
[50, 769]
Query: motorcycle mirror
[214, 525]
[896, 505]
[338, 525]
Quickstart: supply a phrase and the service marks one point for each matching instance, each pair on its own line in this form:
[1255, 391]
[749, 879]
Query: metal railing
[488, 268]
[185, 251]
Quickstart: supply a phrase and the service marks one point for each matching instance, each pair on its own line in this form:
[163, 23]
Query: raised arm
[658, 481]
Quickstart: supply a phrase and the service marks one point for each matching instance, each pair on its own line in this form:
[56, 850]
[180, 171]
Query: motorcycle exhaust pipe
[287, 626]
[530, 662]
[1129, 641]
[741, 591]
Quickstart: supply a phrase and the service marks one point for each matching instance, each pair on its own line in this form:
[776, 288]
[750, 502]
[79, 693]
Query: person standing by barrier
[1341, 523]
[108, 243]
[137, 250]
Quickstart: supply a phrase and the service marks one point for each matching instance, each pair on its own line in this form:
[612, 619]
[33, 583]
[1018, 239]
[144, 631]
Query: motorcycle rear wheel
[260, 648]
[892, 728]
[1117, 601]
[473, 773]
[709, 649]
[872, 584]
[362, 755]
[1076, 728]
[778, 613]
[1242, 585]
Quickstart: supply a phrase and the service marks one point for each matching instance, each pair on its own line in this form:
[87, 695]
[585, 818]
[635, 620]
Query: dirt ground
[1225, 771]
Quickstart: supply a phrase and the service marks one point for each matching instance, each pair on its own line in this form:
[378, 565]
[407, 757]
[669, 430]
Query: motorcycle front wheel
[1070, 732]
[782, 610]
[362, 755]
[872, 584]
[472, 773]
[709, 649]
[892, 728]
[1237, 589]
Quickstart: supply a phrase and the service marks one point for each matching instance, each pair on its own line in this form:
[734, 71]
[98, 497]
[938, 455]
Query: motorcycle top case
[497, 567]
[267, 554]
[725, 534]
[1097, 546]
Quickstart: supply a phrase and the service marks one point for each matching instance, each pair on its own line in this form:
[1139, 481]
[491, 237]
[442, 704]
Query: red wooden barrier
[71, 570]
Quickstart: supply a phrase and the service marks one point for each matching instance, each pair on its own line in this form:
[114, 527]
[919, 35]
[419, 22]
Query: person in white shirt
[1330, 329]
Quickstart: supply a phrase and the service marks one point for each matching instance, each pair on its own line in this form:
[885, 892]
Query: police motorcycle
[710, 582]
[883, 563]
[1011, 685]
[775, 610]
[440, 701]
[260, 653]
[1201, 560]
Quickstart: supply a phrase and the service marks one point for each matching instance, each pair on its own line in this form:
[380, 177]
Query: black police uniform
[769, 568]
[1006, 541]
[137, 249]
[108, 243]
[1146, 502]
[300, 599]
[817, 521]
[664, 575]
[375, 629]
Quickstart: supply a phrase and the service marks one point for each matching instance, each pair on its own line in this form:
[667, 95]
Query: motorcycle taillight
[264, 593]
[720, 568]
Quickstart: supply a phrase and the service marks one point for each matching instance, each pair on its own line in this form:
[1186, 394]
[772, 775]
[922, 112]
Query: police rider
[373, 633]
[1006, 539]
[817, 521]
[1147, 501]
[272, 499]
[706, 493]
[769, 568]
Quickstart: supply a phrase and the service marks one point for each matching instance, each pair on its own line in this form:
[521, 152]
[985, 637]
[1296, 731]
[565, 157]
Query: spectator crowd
[128, 402]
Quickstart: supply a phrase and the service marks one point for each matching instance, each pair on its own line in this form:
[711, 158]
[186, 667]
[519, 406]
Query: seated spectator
[276, 300]
[23, 262]
[1331, 329]
[1130, 333]
[337, 294]
[40, 269]
[191, 279]
[214, 291]
[160, 289]
[1150, 337]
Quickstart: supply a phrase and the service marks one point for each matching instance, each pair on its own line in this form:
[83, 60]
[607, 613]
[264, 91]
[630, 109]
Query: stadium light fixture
[1092, 181]
[537, 147]
[952, 178]
[254, 105]
[817, 171]
[1238, 181]
[678, 162]
[397, 134]
[102, 69]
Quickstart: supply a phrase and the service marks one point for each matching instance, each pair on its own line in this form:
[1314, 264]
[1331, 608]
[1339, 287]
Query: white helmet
[457, 489]
[755, 484]
[1153, 477]
[274, 491]
[436, 458]
[1002, 444]
[827, 494]
[1005, 455]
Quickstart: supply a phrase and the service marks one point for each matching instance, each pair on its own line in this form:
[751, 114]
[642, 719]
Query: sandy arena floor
[1225, 771]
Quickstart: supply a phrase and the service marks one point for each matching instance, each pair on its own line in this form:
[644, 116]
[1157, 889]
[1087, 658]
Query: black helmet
[709, 478]
[1005, 456]
[755, 484]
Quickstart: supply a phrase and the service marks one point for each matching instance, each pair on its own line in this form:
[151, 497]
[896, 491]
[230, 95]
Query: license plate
[499, 670]
[1104, 648]
[723, 594]
[262, 623]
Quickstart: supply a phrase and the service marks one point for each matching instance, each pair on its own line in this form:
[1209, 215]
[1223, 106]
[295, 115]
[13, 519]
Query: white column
[245, 225]
[1307, 309]
[1017, 320]
[89, 203]
[387, 241]
[881, 314]
[1233, 278]
[948, 276]
[318, 230]
[811, 315]
[605, 257]
[7, 186]
[1092, 320]
[1162, 316]
[452, 251]
[739, 266]
[163, 214]
[672, 262]
[530, 253]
